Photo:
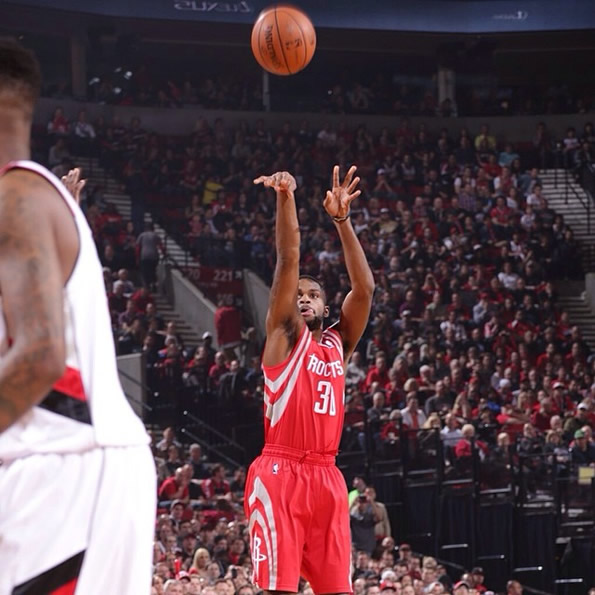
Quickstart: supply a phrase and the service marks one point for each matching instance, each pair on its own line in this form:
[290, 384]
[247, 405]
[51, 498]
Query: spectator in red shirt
[477, 575]
[541, 418]
[228, 325]
[512, 420]
[463, 447]
[58, 125]
[174, 488]
[141, 297]
[491, 168]
[378, 372]
[547, 357]
[561, 401]
[500, 216]
[575, 356]
[216, 485]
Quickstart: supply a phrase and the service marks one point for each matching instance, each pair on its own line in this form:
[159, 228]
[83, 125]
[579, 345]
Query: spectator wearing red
[512, 417]
[174, 488]
[217, 485]
[561, 401]
[394, 389]
[541, 418]
[500, 216]
[58, 125]
[140, 298]
[519, 326]
[491, 168]
[546, 358]
[575, 357]
[377, 373]
[390, 431]
[228, 326]
[477, 574]
[463, 447]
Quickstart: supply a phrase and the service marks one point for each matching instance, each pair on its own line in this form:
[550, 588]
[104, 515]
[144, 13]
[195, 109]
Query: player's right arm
[283, 322]
[31, 285]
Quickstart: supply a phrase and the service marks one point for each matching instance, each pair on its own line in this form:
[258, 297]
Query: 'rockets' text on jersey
[305, 395]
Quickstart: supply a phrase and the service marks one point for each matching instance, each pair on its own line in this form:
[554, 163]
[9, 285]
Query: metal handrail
[137, 402]
[570, 189]
[586, 204]
[211, 448]
[136, 381]
[199, 422]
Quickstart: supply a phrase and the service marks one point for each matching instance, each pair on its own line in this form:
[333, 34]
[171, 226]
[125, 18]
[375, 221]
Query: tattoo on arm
[31, 287]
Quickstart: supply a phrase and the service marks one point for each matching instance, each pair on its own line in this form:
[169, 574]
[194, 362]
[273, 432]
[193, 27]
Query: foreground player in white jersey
[77, 480]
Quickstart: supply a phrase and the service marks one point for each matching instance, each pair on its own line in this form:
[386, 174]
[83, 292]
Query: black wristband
[339, 219]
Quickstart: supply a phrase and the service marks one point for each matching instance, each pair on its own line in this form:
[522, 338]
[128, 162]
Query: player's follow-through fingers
[353, 196]
[270, 181]
[347, 180]
[336, 176]
[353, 185]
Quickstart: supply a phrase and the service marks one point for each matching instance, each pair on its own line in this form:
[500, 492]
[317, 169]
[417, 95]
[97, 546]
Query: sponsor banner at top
[447, 16]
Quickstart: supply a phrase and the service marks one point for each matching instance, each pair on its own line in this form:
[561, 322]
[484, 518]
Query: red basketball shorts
[296, 503]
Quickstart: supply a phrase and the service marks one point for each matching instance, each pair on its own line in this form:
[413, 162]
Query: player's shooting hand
[74, 184]
[339, 199]
[282, 181]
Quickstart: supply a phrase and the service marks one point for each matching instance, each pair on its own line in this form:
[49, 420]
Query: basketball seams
[288, 40]
[258, 38]
[281, 42]
[304, 39]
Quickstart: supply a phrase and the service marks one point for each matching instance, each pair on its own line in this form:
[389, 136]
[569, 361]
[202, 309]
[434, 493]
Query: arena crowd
[466, 340]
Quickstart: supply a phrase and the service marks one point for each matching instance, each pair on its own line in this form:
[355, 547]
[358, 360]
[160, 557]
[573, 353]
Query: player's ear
[326, 312]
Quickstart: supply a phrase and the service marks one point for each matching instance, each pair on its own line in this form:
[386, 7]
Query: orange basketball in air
[283, 40]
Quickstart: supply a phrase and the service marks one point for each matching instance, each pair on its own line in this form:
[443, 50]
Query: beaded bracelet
[339, 219]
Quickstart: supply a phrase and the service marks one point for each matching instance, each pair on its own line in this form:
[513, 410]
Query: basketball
[283, 40]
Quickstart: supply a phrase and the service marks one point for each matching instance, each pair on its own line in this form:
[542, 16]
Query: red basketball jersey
[305, 395]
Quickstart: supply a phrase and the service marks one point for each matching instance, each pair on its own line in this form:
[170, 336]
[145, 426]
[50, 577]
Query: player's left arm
[355, 310]
[31, 285]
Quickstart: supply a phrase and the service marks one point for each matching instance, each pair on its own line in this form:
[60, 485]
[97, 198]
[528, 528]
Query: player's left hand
[74, 184]
[338, 199]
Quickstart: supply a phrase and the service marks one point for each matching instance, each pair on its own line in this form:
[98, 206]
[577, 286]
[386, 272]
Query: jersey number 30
[326, 399]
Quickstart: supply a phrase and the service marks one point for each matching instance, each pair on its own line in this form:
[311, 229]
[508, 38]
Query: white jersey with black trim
[87, 407]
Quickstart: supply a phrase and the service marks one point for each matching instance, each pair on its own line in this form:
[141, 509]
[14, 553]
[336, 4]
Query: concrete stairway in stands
[572, 299]
[574, 212]
[572, 293]
[114, 193]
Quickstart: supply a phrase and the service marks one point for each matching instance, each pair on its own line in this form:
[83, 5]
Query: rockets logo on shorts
[263, 535]
[257, 555]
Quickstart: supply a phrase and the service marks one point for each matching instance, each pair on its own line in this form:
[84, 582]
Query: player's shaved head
[20, 78]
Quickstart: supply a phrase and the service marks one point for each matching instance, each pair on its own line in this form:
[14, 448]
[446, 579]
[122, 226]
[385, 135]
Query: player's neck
[15, 133]
[317, 334]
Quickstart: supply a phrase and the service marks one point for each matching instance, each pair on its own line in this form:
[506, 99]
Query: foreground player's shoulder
[26, 193]
[19, 181]
[23, 203]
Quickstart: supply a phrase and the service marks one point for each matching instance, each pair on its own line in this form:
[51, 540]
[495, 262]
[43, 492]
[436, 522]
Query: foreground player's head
[20, 80]
[311, 301]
